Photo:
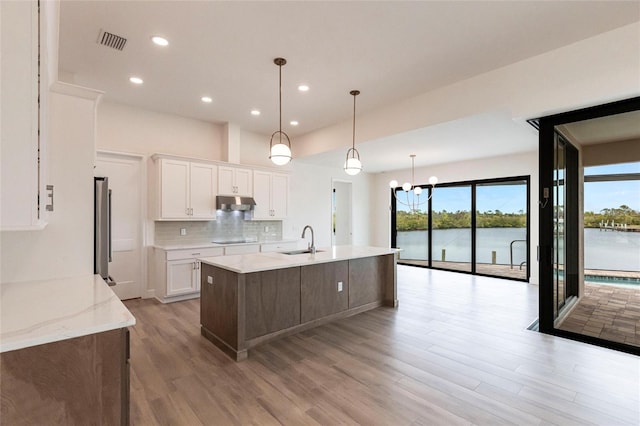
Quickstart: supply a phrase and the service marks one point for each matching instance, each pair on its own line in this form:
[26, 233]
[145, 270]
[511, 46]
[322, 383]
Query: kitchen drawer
[242, 249]
[194, 253]
[280, 246]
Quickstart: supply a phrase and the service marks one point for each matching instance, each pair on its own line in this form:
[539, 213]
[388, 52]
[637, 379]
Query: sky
[512, 198]
[506, 198]
[602, 195]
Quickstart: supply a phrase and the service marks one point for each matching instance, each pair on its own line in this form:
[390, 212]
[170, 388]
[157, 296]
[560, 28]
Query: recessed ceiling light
[160, 41]
[206, 99]
[136, 80]
[303, 88]
[255, 112]
[293, 123]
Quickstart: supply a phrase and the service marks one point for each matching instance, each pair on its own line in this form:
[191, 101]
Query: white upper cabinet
[235, 181]
[204, 178]
[23, 168]
[271, 193]
[174, 189]
[186, 190]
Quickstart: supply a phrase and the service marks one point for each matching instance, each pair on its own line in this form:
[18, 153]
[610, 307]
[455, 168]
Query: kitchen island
[64, 353]
[250, 299]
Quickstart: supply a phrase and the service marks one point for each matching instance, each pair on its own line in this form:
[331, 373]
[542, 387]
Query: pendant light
[410, 187]
[353, 166]
[280, 153]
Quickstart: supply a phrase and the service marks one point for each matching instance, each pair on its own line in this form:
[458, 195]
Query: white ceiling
[612, 128]
[389, 50]
[480, 136]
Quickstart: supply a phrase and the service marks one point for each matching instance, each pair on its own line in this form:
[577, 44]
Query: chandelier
[280, 153]
[352, 165]
[410, 188]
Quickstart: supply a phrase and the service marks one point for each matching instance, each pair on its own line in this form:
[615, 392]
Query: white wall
[65, 247]
[487, 168]
[124, 128]
[311, 192]
[593, 71]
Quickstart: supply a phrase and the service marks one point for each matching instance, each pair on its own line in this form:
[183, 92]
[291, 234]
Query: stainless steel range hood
[228, 202]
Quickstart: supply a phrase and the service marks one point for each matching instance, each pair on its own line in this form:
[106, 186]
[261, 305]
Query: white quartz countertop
[189, 246]
[256, 262]
[38, 312]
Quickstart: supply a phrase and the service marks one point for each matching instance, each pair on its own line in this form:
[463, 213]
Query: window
[479, 227]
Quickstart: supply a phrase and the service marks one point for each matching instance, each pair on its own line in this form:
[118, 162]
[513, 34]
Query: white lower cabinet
[182, 277]
[176, 273]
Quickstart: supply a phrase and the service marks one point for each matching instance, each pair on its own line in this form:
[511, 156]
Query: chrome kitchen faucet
[312, 244]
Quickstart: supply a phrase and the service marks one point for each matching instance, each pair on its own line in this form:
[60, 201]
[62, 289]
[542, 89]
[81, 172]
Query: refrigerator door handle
[109, 228]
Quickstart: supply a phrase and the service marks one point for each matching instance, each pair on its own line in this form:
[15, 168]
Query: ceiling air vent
[111, 40]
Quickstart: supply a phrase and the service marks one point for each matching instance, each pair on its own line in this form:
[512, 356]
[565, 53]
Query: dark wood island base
[239, 311]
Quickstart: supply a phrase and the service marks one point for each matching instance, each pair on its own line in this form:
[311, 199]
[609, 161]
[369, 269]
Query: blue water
[617, 251]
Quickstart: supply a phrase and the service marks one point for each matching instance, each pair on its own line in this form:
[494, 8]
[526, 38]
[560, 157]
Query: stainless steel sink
[304, 251]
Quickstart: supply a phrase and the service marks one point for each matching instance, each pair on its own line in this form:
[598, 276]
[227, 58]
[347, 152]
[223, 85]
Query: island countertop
[257, 262]
[39, 312]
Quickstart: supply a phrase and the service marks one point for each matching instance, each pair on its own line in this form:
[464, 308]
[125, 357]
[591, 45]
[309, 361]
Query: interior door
[125, 181]
[341, 226]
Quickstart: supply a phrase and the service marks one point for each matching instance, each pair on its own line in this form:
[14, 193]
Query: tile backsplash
[227, 226]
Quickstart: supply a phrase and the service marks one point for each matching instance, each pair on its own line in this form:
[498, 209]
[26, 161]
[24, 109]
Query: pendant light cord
[280, 98]
[353, 145]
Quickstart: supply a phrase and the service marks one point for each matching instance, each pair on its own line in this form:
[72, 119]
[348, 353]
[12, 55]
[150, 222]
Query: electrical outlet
[266, 229]
[183, 231]
[339, 285]
[209, 279]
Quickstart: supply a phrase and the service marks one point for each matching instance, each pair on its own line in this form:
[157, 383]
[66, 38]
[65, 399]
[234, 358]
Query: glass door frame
[472, 184]
[547, 132]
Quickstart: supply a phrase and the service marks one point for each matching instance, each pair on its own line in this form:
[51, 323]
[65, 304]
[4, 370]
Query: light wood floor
[456, 351]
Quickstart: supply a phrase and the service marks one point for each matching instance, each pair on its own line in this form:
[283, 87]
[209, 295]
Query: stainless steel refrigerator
[102, 229]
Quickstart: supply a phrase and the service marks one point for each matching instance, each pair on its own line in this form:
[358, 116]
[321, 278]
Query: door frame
[143, 237]
[546, 126]
[333, 187]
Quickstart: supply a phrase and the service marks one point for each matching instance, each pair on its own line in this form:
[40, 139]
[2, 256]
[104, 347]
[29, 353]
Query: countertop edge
[283, 261]
[111, 314]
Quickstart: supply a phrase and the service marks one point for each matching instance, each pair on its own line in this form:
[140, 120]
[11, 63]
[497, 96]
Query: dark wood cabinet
[79, 381]
[319, 294]
[272, 301]
[219, 303]
[372, 279]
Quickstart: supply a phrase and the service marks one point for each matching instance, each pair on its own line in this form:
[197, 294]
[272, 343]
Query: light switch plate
[339, 285]
[183, 231]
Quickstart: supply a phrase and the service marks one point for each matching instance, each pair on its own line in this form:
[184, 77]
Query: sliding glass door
[451, 233]
[501, 228]
[479, 227]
